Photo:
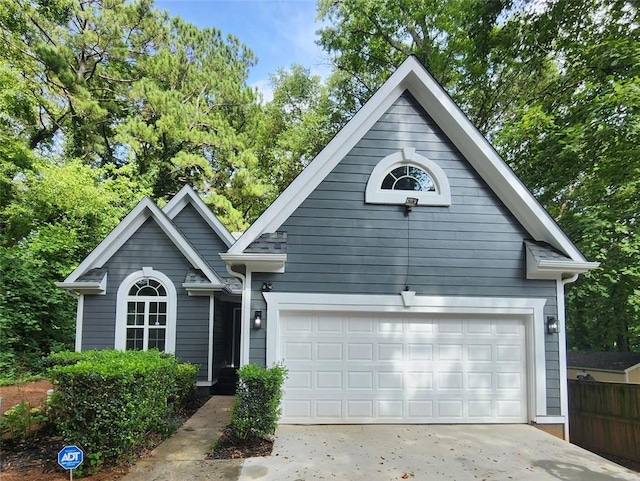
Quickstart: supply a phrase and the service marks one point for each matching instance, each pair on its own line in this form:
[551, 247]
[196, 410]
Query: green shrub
[108, 402]
[256, 409]
[21, 421]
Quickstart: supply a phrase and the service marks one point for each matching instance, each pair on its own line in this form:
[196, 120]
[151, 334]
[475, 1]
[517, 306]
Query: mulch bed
[37, 458]
[231, 447]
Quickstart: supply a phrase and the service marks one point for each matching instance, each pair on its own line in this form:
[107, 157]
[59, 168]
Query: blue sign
[70, 457]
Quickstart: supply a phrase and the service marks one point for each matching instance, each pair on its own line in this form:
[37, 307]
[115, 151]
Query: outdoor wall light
[552, 325]
[266, 287]
[257, 320]
[410, 203]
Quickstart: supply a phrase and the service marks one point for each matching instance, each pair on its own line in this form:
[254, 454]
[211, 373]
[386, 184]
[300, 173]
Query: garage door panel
[329, 351]
[383, 368]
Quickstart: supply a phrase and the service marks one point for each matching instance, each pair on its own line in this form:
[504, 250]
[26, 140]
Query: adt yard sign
[70, 457]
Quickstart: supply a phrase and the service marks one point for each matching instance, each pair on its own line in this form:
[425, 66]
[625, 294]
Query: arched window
[146, 312]
[408, 177]
[407, 174]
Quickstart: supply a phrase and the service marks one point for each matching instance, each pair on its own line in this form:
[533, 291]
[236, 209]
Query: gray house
[405, 276]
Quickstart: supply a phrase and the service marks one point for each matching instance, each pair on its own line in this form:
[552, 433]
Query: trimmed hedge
[256, 409]
[107, 402]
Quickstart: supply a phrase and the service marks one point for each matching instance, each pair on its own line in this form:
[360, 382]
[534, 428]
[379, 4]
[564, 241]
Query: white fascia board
[83, 287]
[554, 269]
[256, 262]
[99, 288]
[631, 368]
[200, 289]
[412, 76]
[488, 163]
[127, 227]
[118, 236]
[186, 195]
[305, 183]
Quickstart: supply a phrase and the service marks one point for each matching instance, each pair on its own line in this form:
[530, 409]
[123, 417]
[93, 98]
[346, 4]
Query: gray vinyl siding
[338, 244]
[203, 238]
[150, 247]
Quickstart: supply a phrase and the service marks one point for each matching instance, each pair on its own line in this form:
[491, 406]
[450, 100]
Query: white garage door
[373, 368]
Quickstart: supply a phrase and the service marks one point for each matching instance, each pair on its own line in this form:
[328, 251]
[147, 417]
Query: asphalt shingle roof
[611, 361]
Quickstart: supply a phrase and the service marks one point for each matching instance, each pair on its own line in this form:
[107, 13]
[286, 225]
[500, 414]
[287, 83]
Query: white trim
[99, 288]
[552, 269]
[200, 289]
[79, 322]
[256, 261]
[412, 76]
[127, 227]
[553, 420]
[204, 383]
[120, 341]
[210, 353]
[374, 194]
[531, 309]
[245, 329]
[186, 195]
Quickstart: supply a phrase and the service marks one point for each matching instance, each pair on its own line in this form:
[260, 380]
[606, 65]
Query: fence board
[605, 417]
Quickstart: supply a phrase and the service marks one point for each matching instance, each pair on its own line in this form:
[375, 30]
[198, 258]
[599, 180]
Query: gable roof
[145, 209]
[413, 77]
[606, 361]
[187, 195]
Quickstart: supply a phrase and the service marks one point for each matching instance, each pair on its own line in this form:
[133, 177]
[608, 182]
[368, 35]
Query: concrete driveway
[427, 452]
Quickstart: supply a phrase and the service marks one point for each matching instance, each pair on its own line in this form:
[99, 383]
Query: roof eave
[257, 262]
[202, 289]
[95, 288]
[549, 269]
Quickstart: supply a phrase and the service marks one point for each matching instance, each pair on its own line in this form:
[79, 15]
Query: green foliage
[21, 421]
[574, 142]
[108, 402]
[36, 317]
[465, 44]
[256, 409]
[295, 126]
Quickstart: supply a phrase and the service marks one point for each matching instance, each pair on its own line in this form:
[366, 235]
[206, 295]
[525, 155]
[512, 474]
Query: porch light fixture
[552, 325]
[257, 320]
[410, 203]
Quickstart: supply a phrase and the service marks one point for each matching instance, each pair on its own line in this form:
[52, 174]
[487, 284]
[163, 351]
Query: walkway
[182, 456]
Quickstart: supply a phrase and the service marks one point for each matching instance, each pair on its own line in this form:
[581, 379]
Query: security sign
[70, 457]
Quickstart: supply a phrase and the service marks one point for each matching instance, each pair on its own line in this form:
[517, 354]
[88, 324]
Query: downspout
[79, 317]
[562, 351]
[245, 310]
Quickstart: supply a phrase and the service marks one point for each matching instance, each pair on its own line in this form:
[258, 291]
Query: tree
[62, 213]
[79, 58]
[467, 45]
[295, 126]
[17, 112]
[576, 145]
[192, 120]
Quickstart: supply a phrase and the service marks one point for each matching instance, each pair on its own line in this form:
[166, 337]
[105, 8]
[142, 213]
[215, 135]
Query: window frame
[123, 299]
[375, 194]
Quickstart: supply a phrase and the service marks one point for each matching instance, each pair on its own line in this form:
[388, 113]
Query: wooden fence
[605, 417]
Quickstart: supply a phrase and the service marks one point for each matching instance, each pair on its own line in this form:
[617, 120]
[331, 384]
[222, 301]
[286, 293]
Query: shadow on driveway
[427, 452]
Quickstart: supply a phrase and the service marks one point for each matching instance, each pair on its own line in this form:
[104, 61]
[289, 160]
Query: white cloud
[264, 87]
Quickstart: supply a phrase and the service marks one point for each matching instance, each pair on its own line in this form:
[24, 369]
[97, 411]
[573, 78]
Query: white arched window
[146, 312]
[408, 174]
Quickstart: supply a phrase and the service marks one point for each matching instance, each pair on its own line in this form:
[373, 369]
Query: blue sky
[279, 32]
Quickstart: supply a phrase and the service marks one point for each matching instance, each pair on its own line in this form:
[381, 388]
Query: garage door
[371, 368]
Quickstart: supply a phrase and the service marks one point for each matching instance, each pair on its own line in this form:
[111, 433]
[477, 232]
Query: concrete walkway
[182, 456]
